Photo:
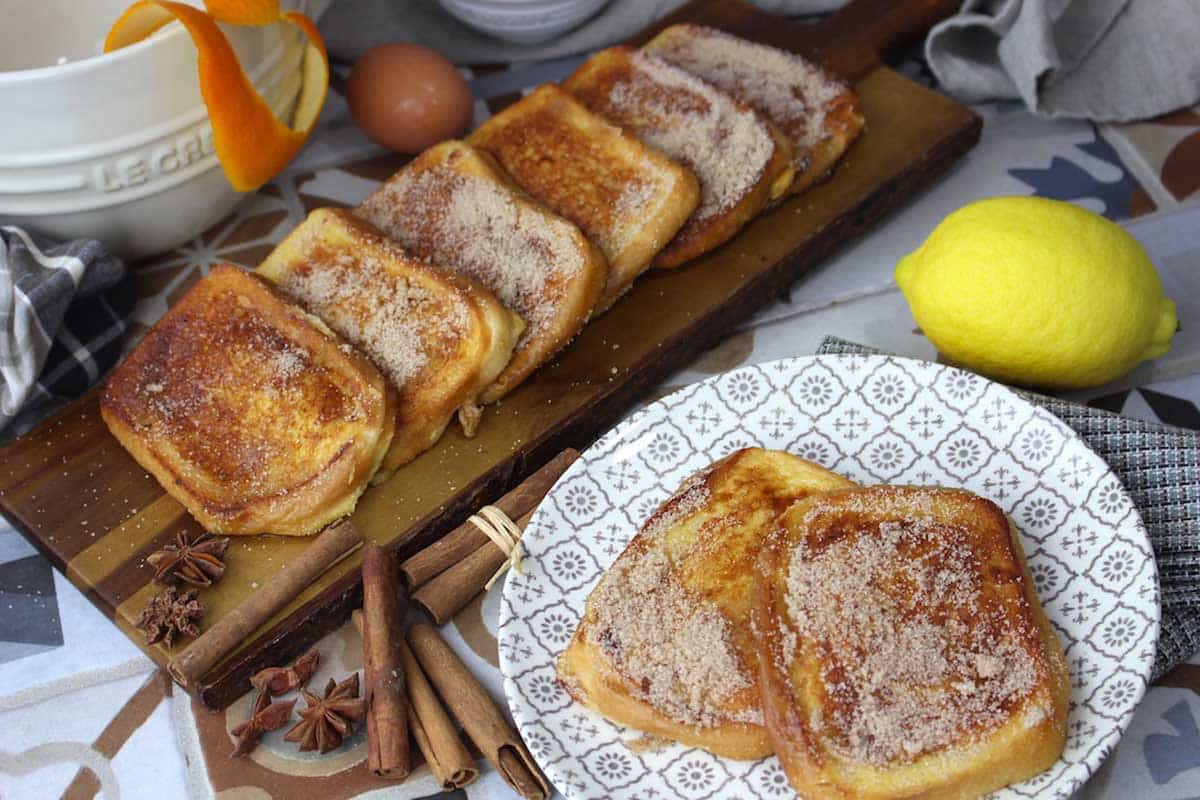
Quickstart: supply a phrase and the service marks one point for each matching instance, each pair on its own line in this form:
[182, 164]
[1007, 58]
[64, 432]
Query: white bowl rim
[171, 30]
[259, 77]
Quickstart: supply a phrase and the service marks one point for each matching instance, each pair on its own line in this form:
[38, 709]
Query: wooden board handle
[864, 32]
[852, 42]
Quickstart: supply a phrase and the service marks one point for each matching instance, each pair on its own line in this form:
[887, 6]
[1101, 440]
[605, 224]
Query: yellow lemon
[1037, 292]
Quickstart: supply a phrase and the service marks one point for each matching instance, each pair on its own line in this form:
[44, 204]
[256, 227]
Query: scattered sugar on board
[793, 92]
[904, 676]
[727, 146]
[476, 226]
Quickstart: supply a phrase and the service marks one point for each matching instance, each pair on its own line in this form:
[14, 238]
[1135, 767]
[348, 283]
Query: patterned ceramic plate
[874, 419]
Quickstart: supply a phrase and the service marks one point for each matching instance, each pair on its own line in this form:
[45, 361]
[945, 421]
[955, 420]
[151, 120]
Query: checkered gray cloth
[1160, 468]
[64, 309]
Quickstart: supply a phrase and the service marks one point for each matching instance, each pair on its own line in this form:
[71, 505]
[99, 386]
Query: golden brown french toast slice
[249, 412]
[741, 159]
[664, 644]
[903, 650]
[820, 115]
[628, 198]
[453, 206]
[438, 336]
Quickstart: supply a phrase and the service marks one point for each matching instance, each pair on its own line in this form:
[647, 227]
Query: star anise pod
[169, 614]
[329, 720]
[281, 680]
[267, 716]
[195, 560]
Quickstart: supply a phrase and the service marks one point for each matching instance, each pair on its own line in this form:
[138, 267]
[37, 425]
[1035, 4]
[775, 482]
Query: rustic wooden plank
[96, 514]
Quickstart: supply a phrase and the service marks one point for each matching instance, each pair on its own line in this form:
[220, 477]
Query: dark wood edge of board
[330, 609]
[13, 518]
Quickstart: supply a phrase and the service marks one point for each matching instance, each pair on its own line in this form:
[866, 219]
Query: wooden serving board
[89, 507]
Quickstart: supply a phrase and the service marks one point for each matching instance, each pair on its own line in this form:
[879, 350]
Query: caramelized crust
[903, 651]
[249, 412]
[438, 337]
[629, 199]
[816, 111]
[453, 206]
[741, 159]
[665, 643]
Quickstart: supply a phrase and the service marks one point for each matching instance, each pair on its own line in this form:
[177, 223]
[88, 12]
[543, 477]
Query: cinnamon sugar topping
[477, 227]
[794, 93]
[913, 656]
[580, 166]
[674, 646]
[288, 363]
[228, 356]
[398, 323]
[687, 500]
[726, 144]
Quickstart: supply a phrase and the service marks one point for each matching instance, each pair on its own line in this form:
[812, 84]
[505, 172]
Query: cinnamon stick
[435, 734]
[432, 728]
[449, 592]
[387, 703]
[229, 632]
[478, 714]
[466, 538]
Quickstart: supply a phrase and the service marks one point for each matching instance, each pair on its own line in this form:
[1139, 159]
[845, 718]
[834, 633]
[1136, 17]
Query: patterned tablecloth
[85, 712]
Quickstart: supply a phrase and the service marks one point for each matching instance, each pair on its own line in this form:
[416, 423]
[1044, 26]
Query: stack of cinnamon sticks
[405, 679]
[452, 571]
[401, 699]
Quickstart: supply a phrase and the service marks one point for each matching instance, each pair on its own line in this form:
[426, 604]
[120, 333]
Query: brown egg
[407, 97]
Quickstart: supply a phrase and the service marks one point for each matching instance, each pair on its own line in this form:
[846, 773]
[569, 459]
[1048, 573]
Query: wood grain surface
[96, 515]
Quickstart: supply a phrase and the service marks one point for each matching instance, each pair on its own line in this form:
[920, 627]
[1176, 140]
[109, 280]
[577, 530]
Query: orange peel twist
[252, 144]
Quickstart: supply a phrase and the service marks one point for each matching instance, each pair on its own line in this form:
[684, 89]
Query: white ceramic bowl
[523, 21]
[118, 146]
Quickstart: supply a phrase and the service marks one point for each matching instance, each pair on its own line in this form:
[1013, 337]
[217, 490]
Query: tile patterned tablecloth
[85, 713]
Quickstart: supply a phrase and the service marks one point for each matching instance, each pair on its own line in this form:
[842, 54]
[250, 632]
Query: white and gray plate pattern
[875, 419]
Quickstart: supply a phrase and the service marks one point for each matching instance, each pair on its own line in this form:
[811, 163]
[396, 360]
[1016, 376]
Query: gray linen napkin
[64, 309]
[1107, 60]
[1160, 468]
